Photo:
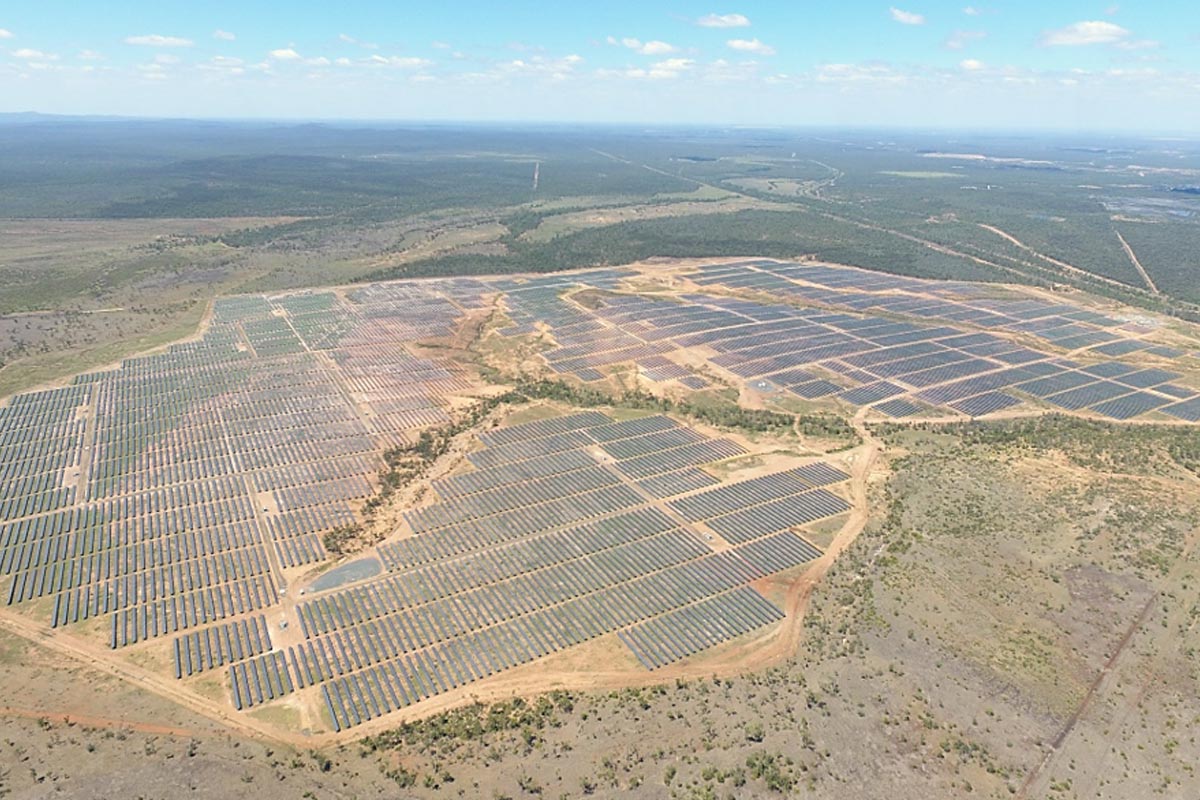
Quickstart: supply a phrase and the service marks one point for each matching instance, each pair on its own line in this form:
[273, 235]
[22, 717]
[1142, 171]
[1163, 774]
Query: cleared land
[907, 682]
[173, 519]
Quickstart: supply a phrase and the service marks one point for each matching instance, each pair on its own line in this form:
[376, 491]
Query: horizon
[932, 65]
[1145, 134]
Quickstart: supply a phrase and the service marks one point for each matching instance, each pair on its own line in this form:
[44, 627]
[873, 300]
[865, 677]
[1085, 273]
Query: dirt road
[1063, 265]
[1136, 264]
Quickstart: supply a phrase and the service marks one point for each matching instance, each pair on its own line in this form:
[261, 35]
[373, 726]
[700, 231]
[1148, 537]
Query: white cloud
[158, 40]
[1113, 9]
[29, 54]
[722, 71]
[224, 36]
[657, 48]
[153, 72]
[319, 61]
[860, 74]
[960, 39]
[906, 17]
[671, 68]
[723, 21]
[666, 69]
[223, 65]
[971, 64]
[653, 47]
[674, 64]
[348, 39]
[166, 58]
[536, 66]
[751, 46]
[632, 72]
[5, 34]
[972, 11]
[1136, 44]
[439, 45]
[89, 55]
[402, 62]
[284, 54]
[1084, 33]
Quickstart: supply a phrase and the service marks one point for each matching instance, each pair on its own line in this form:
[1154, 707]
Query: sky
[1015, 64]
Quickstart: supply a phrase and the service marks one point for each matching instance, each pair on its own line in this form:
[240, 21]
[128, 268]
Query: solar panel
[1188, 410]
[986, 403]
[1084, 396]
[1131, 405]
[898, 408]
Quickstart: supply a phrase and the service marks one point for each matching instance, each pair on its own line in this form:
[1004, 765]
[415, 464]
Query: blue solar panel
[815, 389]
[1053, 384]
[1084, 396]
[1108, 369]
[1146, 378]
[1131, 405]
[985, 403]
[1176, 391]
[1121, 348]
[1021, 356]
[898, 407]
[1187, 410]
[870, 393]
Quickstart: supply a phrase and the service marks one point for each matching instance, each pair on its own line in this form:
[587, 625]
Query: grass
[31, 371]
[210, 686]
[13, 649]
[924, 175]
[532, 413]
[283, 716]
[622, 414]
[559, 225]
[823, 532]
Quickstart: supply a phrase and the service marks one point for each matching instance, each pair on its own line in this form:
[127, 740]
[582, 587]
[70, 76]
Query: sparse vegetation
[719, 414]
[1022, 605]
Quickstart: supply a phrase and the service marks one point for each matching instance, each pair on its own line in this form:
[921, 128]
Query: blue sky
[919, 63]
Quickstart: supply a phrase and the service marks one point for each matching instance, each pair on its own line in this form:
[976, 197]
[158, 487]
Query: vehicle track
[1056, 747]
[113, 723]
[1136, 264]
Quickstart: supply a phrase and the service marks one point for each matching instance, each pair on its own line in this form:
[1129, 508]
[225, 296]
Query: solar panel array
[548, 543]
[174, 497]
[682, 633]
[171, 494]
[912, 343]
[900, 345]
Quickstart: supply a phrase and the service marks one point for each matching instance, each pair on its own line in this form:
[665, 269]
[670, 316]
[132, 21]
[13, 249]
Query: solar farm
[896, 346]
[171, 511]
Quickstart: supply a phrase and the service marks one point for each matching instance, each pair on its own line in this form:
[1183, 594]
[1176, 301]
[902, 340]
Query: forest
[142, 222]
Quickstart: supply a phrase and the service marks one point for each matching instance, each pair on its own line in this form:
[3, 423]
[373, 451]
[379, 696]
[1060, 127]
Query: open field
[919, 174]
[557, 225]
